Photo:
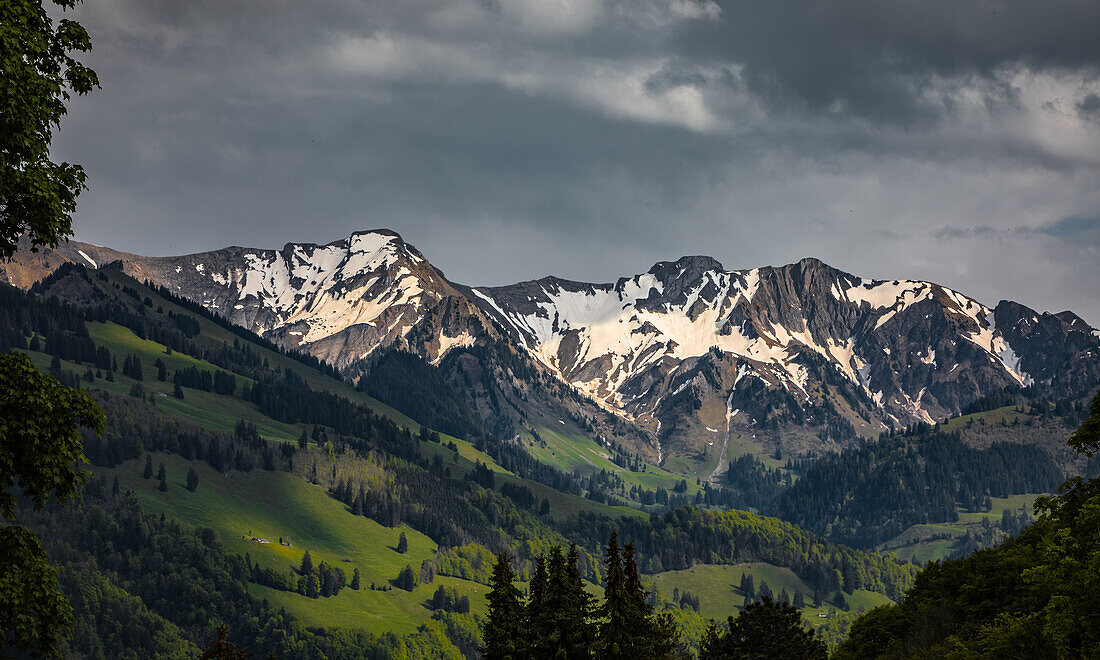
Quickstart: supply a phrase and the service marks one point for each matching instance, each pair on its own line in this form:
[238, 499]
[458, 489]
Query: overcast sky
[510, 139]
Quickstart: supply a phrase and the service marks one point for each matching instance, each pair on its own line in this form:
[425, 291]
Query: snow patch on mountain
[87, 258]
[629, 345]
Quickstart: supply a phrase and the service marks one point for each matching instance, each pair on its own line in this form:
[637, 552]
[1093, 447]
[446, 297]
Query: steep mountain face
[1058, 350]
[351, 301]
[685, 353]
[895, 351]
[342, 300]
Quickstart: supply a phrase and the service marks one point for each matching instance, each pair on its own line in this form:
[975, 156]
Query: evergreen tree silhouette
[763, 630]
[504, 626]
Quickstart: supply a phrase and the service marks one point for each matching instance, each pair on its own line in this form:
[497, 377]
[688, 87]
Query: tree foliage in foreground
[37, 73]
[40, 453]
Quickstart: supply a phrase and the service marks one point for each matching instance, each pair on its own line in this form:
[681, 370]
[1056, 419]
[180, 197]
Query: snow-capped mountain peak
[803, 343]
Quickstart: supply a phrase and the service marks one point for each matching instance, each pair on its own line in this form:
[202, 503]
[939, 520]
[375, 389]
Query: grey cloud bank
[509, 139]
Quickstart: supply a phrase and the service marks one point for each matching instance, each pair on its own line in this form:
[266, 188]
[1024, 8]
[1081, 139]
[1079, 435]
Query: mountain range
[675, 361]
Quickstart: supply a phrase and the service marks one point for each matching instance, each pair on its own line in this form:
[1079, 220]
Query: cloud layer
[510, 139]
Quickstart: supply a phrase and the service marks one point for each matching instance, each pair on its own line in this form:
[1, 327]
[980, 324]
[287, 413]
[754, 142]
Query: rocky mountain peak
[685, 347]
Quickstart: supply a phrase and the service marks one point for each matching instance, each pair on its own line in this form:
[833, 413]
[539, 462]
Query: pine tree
[177, 391]
[630, 628]
[161, 472]
[613, 637]
[406, 579]
[163, 485]
[307, 564]
[148, 473]
[115, 487]
[547, 615]
[355, 579]
[579, 632]
[537, 622]
[765, 590]
[504, 629]
[654, 636]
[799, 599]
[763, 630]
[303, 440]
[402, 543]
[192, 479]
[223, 649]
[324, 579]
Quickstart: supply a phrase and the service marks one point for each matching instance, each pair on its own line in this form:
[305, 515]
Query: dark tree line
[560, 619]
[684, 537]
[406, 382]
[449, 600]
[866, 495]
[135, 427]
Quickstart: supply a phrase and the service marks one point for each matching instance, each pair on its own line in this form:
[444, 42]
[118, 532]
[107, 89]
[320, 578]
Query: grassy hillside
[717, 587]
[571, 451]
[213, 335]
[933, 542]
[270, 505]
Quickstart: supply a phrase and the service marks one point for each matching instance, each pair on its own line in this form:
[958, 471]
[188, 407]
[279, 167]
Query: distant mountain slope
[909, 350]
[683, 356]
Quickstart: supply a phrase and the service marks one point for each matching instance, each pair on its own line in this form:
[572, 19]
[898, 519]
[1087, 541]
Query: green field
[570, 451]
[271, 505]
[1000, 504]
[213, 335]
[995, 416]
[717, 587]
[278, 505]
[213, 412]
[921, 543]
[221, 412]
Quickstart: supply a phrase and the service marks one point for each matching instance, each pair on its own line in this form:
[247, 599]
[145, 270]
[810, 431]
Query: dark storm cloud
[510, 139]
[881, 60]
[1075, 229]
[1089, 107]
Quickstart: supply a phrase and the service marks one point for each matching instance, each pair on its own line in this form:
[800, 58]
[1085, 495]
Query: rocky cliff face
[341, 301]
[902, 350]
[684, 353]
